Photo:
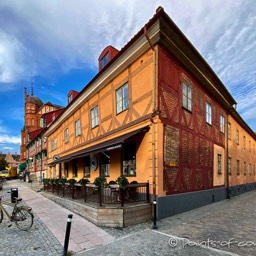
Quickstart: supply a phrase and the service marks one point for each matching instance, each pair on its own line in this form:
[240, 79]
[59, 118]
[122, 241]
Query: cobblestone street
[223, 228]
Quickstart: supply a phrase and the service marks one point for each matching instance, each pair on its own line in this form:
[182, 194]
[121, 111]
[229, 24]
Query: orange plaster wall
[140, 78]
[241, 153]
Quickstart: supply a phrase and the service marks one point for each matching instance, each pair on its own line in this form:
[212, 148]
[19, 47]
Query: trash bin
[14, 194]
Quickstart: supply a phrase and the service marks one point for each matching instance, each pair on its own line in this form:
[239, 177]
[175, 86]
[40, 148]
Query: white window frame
[229, 165]
[78, 127]
[187, 96]
[95, 116]
[237, 137]
[66, 138]
[229, 131]
[53, 144]
[208, 112]
[122, 98]
[222, 123]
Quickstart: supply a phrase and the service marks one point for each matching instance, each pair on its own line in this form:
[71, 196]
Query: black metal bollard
[154, 219]
[69, 220]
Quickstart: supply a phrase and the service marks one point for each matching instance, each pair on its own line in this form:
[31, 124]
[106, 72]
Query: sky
[55, 44]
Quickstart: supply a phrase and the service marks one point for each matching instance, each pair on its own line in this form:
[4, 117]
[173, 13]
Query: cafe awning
[108, 145]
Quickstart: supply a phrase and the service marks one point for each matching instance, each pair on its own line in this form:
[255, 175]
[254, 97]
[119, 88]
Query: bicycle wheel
[23, 219]
[1, 215]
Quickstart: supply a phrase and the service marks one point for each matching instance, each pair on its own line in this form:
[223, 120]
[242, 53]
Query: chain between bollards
[154, 218]
[69, 220]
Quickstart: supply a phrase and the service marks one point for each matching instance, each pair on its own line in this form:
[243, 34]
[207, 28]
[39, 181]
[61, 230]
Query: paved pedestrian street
[223, 228]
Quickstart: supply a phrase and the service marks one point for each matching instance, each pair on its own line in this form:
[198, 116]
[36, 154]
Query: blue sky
[59, 42]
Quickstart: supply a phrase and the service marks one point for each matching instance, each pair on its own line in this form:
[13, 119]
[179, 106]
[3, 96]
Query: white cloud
[35, 36]
[13, 56]
[9, 139]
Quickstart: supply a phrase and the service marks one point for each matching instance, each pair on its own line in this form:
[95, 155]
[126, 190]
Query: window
[250, 169]
[222, 123]
[129, 159]
[87, 167]
[244, 168]
[70, 98]
[229, 166]
[66, 169]
[237, 167]
[208, 113]
[229, 131]
[249, 146]
[66, 135]
[94, 117]
[122, 101]
[42, 122]
[186, 96]
[237, 137]
[74, 168]
[77, 127]
[104, 164]
[105, 60]
[244, 142]
[219, 163]
[54, 144]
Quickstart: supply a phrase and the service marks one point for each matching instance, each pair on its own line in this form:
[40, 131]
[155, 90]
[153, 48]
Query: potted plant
[122, 181]
[83, 181]
[99, 182]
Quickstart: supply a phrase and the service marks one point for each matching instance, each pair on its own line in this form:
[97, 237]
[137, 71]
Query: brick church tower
[31, 119]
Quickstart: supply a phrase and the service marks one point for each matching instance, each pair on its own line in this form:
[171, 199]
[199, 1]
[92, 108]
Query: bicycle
[21, 215]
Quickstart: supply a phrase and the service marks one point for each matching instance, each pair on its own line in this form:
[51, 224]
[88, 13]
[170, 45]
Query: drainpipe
[153, 114]
[228, 196]
[230, 110]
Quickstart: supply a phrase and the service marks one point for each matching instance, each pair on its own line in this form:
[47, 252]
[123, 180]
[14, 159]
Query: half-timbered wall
[188, 140]
[140, 79]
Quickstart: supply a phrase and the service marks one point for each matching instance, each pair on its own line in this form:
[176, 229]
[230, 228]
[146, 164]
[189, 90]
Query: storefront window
[87, 167]
[74, 165]
[104, 164]
[66, 169]
[129, 159]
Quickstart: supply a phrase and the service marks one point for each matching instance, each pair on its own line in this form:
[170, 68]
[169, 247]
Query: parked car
[4, 174]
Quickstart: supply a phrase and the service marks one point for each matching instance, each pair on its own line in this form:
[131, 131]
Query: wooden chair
[132, 191]
[114, 191]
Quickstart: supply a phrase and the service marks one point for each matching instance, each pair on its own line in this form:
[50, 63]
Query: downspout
[228, 197]
[153, 114]
[230, 110]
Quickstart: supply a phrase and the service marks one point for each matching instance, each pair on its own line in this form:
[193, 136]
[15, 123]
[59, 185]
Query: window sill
[186, 109]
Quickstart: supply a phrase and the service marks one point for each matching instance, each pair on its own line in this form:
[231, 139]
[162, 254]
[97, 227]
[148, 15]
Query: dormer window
[70, 97]
[105, 60]
[106, 56]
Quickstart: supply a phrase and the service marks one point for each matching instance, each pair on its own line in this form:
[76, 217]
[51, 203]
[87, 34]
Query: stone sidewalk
[83, 235]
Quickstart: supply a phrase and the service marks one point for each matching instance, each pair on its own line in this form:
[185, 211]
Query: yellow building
[155, 112]
[241, 155]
